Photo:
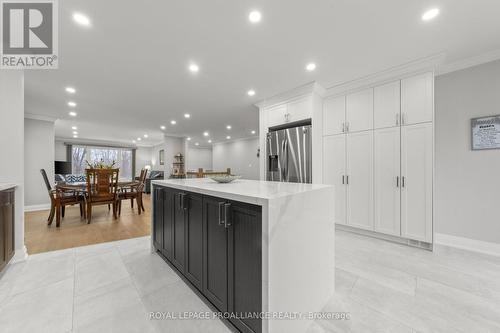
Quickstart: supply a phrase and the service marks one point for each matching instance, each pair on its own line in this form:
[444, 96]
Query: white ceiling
[130, 67]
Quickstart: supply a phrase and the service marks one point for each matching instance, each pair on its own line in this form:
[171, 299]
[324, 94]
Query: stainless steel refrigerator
[289, 155]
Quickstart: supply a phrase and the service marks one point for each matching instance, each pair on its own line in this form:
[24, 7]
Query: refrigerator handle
[283, 161]
[287, 160]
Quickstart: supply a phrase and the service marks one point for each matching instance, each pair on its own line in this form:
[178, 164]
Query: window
[122, 157]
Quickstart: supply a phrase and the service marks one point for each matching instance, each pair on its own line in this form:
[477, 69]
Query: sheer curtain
[123, 158]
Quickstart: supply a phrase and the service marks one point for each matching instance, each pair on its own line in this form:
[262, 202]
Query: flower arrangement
[100, 165]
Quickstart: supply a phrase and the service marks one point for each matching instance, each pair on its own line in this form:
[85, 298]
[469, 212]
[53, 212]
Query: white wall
[199, 158]
[143, 156]
[172, 146]
[467, 186]
[239, 155]
[60, 151]
[12, 145]
[39, 148]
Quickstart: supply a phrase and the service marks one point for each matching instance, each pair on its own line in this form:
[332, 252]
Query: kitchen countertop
[250, 190]
[6, 186]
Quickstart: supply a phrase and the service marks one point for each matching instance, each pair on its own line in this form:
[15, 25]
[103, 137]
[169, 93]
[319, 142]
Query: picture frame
[162, 157]
[485, 133]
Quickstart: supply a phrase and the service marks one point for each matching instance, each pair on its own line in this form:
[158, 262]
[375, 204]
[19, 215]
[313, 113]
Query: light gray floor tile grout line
[137, 290]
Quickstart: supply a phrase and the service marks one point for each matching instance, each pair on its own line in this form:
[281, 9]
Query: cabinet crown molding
[427, 64]
[309, 88]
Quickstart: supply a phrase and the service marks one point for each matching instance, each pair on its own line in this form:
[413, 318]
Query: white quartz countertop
[6, 186]
[241, 188]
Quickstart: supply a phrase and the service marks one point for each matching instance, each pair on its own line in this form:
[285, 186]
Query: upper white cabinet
[295, 110]
[334, 172]
[333, 115]
[359, 179]
[417, 99]
[387, 180]
[276, 115]
[387, 105]
[416, 181]
[359, 111]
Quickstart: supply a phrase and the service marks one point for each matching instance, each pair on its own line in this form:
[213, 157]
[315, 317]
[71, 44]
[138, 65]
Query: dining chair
[102, 189]
[65, 197]
[134, 192]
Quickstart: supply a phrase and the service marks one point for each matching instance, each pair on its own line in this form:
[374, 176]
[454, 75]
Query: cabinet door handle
[347, 127]
[343, 127]
[397, 181]
[227, 215]
[343, 179]
[403, 181]
[397, 119]
[179, 195]
[347, 180]
[221, 213]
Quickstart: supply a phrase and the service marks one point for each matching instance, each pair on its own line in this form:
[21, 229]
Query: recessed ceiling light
[209, 141]
[81, 19]
[187, 115]
[70, 90]
[228, 127]
[72, 113]
[228, 137]
[251, 92]
[139, 139]
[74, 128]
[72, 104]
[133, 141]
[311, 66]
[145, 136]
[189, 139]
[253, 132]
[75, 136]
[196, 144]
[75, 132]
[255, 16]
[194, 68]
[205, 133]
[173, 122]
[430, 14]
[162, 127]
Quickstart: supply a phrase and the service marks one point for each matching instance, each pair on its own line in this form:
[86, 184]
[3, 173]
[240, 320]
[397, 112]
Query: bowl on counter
[224, 178]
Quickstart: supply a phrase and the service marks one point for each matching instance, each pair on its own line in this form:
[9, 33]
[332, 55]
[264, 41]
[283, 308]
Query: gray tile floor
[385, 287]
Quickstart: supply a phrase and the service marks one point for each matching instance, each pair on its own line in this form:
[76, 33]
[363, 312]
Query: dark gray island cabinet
[216, 244]
[6, 225]
[249, 249]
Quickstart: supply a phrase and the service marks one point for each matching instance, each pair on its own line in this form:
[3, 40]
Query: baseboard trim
[468, 244]
[20, 255]
[386, 237]
[34, 208]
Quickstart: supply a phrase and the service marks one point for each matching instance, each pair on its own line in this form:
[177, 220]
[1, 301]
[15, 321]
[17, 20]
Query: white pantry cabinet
[359, 179]
[417, 99]
[416, 181]
[387, 105]
[359, 111]
[333, 115]
[276, 115]
[387, 180]
[334, 172]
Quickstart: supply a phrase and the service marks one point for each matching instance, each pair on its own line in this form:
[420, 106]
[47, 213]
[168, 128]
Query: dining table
[80, 188]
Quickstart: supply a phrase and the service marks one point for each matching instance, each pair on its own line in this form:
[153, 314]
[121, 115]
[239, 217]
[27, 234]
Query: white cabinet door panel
[334, 155]
[333, 115]
[300, 109]
[359, 111]
[417, 99]
[416, 189]
[276, 115]
[387, 105]
[360, 181]
[387, 180]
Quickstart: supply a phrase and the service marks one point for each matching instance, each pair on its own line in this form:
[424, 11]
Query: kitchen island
[250, 247]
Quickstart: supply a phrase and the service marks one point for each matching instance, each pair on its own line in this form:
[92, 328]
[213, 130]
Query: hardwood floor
[75, 231]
